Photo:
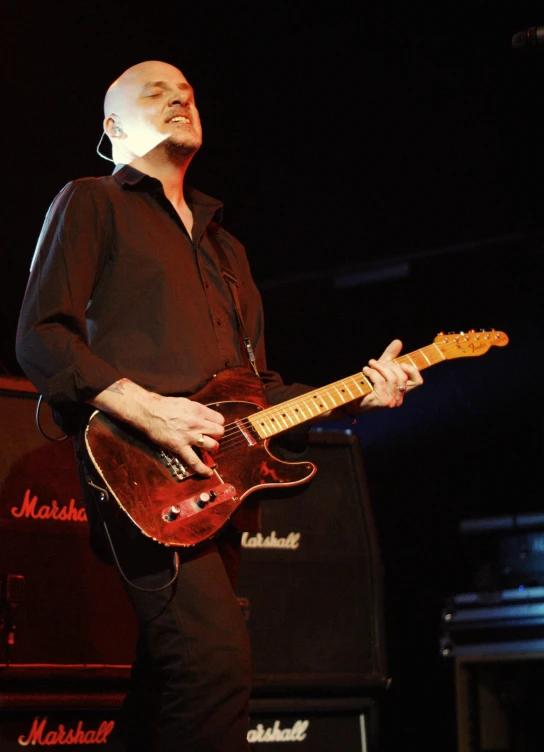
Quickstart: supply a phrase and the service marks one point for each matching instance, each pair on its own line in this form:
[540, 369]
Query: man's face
[154, 102]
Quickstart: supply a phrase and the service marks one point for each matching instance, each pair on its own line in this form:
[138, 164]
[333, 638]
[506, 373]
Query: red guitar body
[150, 491]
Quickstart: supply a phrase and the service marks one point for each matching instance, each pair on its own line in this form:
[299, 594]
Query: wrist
[129, 402]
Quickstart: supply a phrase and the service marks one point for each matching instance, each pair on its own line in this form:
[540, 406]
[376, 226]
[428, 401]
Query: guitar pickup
[249, 437]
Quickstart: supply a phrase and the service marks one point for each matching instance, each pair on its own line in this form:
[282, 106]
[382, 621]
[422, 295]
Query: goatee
[179, 152]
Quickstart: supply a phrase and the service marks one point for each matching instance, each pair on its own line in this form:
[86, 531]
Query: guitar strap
[232, 283]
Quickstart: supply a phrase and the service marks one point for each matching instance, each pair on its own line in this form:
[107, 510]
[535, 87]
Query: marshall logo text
[297, 733]
[67, 513]
[270, 541]
[77, 735]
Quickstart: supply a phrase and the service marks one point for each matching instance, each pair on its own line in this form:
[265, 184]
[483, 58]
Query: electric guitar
[173, 505]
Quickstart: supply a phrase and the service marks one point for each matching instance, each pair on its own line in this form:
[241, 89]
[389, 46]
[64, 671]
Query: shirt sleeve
[52, 343]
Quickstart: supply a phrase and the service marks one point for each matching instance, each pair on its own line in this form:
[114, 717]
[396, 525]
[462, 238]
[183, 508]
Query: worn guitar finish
[176, 507]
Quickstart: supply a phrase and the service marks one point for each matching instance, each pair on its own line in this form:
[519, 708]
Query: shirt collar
[128, 175]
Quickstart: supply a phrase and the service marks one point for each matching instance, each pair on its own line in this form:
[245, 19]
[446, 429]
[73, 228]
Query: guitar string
[233, 430]
[426, 356]
[234, 437]
[306, 401]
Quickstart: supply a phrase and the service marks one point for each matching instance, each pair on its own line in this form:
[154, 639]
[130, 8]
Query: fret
[311, 406]
[425, 356]
[441, 355]
[351, 397]
[341, 397]
[304, 417]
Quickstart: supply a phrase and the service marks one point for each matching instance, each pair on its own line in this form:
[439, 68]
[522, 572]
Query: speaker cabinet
[54, 706]
[91, 718]
[311, 581]
[59, 604]
[316, 725]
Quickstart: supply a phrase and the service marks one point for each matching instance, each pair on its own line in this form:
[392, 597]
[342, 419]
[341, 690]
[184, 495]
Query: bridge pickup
[247, 433]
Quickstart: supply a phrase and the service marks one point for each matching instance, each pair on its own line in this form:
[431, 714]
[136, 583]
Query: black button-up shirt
[119, 289]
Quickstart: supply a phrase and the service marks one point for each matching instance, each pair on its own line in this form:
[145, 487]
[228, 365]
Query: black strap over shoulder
[232, 283]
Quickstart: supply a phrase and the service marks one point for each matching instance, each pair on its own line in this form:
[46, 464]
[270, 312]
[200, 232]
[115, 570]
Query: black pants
[190, 682]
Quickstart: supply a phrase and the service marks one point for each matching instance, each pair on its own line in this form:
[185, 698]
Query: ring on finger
[200, 441]
[401, 389]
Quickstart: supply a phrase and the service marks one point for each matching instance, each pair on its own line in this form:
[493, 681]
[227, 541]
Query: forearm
[174, 423]
[130, 403]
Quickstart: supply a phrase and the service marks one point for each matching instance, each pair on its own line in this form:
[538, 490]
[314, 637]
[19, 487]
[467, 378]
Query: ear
[112, 126]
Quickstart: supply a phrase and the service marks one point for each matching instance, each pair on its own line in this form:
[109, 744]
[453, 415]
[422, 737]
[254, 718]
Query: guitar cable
[40, 429]
[104, 497]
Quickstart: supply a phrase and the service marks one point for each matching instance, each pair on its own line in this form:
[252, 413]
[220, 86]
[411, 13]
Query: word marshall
[271, 541]
[78, 735]
[297, 733]
[53, 511]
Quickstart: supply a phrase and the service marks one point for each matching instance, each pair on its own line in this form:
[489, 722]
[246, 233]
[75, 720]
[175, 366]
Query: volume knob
[172, 514]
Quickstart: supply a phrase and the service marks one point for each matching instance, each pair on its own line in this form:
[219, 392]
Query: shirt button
[218, 322]
[227, 364]
[206, 285]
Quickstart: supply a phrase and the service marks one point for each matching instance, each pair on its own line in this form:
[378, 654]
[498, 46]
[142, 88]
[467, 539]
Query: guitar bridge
[175, 465]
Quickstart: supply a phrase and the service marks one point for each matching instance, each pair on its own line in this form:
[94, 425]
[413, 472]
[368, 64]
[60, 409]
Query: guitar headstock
[469, 344]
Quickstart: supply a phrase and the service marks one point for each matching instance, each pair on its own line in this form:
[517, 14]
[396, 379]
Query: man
[127, 311]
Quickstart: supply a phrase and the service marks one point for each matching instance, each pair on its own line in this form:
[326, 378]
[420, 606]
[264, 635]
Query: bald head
[151, 103]
[124, 87]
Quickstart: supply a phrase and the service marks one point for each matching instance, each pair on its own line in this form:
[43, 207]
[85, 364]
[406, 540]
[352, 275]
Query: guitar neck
[278, 418]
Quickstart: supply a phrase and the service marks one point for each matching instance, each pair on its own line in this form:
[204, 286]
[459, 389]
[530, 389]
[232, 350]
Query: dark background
[382, 165]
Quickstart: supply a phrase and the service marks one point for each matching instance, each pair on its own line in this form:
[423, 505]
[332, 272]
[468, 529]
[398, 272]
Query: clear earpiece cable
[104, 156]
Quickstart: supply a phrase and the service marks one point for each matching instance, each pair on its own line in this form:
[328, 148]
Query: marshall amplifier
[92, 720]
[59, 706]
[318, 725]
[311, 582]
[59, 605]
